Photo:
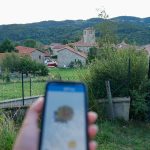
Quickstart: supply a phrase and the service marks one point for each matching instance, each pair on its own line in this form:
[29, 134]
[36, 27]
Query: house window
[39, 56]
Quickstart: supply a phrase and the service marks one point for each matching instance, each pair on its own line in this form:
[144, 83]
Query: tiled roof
[83, 44]
[74, 51]
[25, 50]
[58, 46]
[45, 46]
[54, 44]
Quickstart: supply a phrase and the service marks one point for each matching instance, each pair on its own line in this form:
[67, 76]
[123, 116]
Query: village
[118, 81]
[63, 56]
[59, 55]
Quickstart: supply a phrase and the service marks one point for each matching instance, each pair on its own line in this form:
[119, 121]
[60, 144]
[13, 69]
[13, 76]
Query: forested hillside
[132, 29]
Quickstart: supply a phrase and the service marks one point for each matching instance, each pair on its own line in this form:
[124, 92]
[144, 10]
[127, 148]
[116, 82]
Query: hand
[28, 137]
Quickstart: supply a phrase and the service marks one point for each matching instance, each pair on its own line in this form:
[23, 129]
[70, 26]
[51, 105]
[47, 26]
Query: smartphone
[64, 119]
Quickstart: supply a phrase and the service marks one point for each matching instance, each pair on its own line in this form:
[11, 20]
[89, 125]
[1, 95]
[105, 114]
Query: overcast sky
[27, 11]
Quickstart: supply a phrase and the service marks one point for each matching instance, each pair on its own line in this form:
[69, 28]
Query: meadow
[112, 135]
[120, 135]
[13, 89]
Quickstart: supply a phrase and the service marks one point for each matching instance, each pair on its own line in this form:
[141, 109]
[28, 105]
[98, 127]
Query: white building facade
[67, 55]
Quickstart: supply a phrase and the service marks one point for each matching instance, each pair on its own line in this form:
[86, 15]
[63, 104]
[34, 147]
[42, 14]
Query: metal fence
[22, 86]
[18, 88]
[25, 86]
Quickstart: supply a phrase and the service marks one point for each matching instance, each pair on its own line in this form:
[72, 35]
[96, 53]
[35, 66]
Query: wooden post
[30, 87]
[109, 96]
[22, 89]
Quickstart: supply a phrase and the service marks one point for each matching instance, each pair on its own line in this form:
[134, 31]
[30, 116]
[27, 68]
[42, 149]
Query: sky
[28, 11]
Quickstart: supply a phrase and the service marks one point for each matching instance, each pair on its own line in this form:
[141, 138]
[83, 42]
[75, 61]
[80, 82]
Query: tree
[65, 41]
[30, 43]
[92, 54]
[11, 62]
[14, 63]
[107, 30]
[6, 46]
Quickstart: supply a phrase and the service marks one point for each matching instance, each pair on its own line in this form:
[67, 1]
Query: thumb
[34, 111]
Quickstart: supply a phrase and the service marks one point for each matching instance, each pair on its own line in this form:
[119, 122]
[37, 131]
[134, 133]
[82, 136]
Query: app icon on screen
[63, 114]
[72, 144]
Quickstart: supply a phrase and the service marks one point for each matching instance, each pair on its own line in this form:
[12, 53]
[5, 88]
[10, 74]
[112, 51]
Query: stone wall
[121, 107]
[18, 102]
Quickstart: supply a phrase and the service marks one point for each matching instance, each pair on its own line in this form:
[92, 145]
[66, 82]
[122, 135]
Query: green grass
[14, 89]
[67, 74]
[8, 133]
[112, 135]
[119, 135]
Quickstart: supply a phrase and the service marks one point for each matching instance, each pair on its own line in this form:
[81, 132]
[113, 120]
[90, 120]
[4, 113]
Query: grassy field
[14, 89]
[67, 74]
[113, 135]
[119, 135]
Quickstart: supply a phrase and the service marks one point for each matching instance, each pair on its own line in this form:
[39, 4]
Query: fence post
[22, 89]
[109, 96]
[129, 76]
[149, 69]
[30, 87]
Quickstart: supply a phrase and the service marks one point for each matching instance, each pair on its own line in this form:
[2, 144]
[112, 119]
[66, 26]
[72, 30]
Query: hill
[133, 29]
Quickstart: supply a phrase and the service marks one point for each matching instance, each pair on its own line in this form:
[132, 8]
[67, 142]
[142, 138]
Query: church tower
[89, 35]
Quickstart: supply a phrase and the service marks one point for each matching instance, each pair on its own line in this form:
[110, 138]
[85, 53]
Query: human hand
[28, 136]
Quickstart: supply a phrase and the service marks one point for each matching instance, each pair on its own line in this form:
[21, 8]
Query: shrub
[6, 75]
[13, 63]
[141, 101]
[113, 66]
[7, 133]
[43, 70]
[10, 62]
[75, 64]
[92, 54]
[139, 105]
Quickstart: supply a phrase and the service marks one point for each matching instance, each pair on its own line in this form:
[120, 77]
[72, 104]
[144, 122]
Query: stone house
[32, 52]
[83, 47]
[55, 47]
[67, 55]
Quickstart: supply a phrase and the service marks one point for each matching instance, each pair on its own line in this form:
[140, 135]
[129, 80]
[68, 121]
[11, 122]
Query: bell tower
[89, 35]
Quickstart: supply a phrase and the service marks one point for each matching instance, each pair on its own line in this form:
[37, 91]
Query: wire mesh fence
[24, 86]
[14, 89]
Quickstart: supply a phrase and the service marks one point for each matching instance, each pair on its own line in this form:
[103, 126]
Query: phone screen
[65, 124]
